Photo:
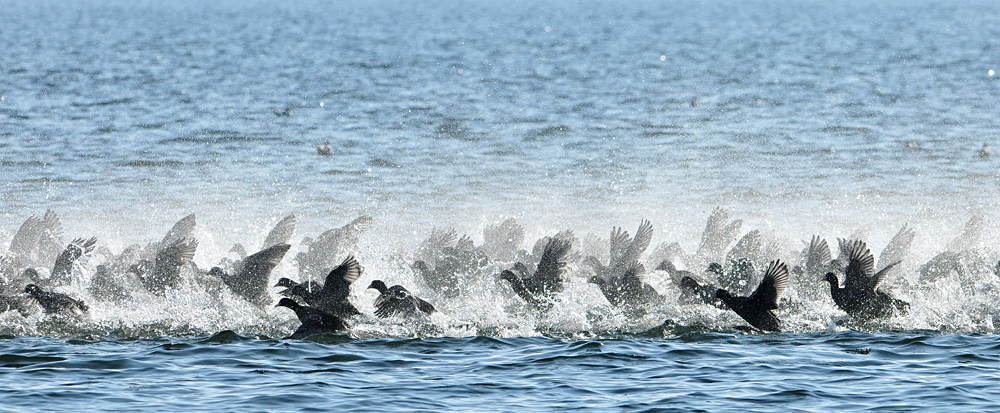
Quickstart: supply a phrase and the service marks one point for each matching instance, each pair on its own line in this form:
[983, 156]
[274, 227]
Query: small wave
[104, 102]
[150, 164]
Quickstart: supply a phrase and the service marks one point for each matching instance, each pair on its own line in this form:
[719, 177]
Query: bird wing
[502, 241]
[338, 282]
[898, 247]
[424, 306]
[26, 238]
[465, 243]
[861, 264]
[774, 284]
[548, 276]
[73, 251]
[875, 281]
[173, 256]
[251, 281]
[639, 244]
[749, 246]
[718, 234]
[281, 233]
[619, 244]
[50, 240]
[818, 255]
[182, 229]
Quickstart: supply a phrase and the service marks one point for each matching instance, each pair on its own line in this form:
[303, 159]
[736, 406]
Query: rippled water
[800, 118]
[706, 372]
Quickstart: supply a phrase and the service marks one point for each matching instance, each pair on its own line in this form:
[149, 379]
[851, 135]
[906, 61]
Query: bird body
[860, 296]
[332, 297]
[757, 308]
[540, 288]
[54, 303]
[251, 281]
[314, 321]
[396, 300]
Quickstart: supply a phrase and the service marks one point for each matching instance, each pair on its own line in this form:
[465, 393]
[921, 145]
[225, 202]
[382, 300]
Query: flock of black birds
[444, 263]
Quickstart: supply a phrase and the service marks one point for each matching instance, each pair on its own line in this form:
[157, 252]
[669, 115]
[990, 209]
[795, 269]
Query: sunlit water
[794, 116]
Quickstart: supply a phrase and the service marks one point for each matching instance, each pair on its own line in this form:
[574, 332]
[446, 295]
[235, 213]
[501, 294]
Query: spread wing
[26, 238]
[897, 249]
[818, 256]
[880, 277]
[861, 264]
[252, 280]
[718, 234]
[550, 267]
[281, 233]
[634, 277]
[74, 250]
[424, 306]
[639, 244]
[774, 284]
[338, 282]
[170, 259]
[182, 229]
[619, 244]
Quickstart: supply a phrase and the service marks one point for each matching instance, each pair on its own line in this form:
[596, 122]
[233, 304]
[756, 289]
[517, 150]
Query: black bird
[54, 303]
[314, 321]
[296, 289]
[63, 267]
[860, 297]
[396, 300]
[621, 281]
[629, 289]
[756, 309]
[165, 270]
[539, 289]
[332, 298]
[693, 292]
[250, 282]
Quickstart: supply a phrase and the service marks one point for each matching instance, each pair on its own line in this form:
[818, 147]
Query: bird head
[715, 268]
[287, 302]
[285, 282]
[831, 278]
[32, 289]
[597, 280]
[508, 275]
[378, 285]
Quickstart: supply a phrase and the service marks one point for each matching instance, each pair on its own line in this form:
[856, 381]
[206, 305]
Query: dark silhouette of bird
[860, 296]
[621, 281]
[757, 308]
[540, 288]
[694, 292]
[280, 234]
[56, 303]
[63, 268]
[320, 254]
[296, 289]
[629, 289]
[38, 241]
[164, 272]
[314, 321]
[251, 280]
[333, 297]
[396, 300]
[442, 261]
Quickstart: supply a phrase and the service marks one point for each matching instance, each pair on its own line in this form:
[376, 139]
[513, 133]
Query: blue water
[124, 116]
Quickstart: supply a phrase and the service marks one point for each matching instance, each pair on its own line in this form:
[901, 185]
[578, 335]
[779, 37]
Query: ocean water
[799, 118]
